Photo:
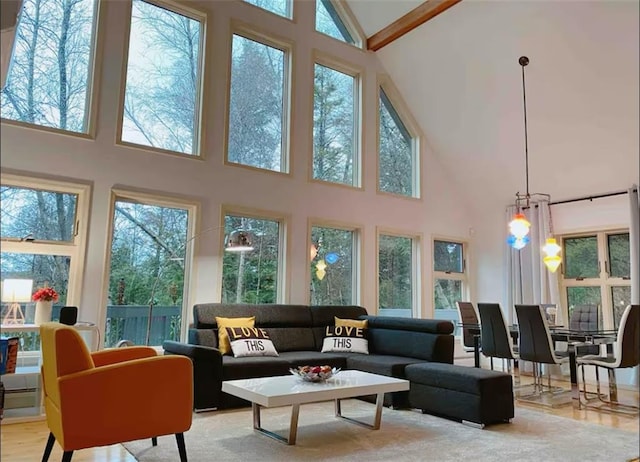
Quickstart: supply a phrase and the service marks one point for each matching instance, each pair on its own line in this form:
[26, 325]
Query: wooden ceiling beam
[408, 22]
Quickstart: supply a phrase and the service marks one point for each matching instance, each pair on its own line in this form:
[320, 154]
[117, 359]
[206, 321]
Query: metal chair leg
[182, 450]
[49, 446]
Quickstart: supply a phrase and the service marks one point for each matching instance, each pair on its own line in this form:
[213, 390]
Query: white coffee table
[290, 390]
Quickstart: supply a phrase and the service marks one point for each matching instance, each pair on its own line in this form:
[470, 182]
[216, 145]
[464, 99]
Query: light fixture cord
[523, 62]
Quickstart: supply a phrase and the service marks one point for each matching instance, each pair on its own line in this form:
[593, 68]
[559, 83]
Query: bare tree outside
[256, 108]
[396, 161]
[162, 95]
[47, 83]
[333, 126]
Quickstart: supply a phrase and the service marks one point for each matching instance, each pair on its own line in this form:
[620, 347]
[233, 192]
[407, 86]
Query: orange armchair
[111, 396]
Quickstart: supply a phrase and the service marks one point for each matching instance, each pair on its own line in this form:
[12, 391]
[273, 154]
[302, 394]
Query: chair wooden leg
[48, 447]
[182, 450]
[154, 441]
[66, 457]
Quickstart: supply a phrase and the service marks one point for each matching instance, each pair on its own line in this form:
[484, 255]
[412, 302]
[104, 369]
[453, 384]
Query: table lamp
[14, 292]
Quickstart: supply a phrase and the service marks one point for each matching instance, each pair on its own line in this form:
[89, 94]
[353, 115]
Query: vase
[43, 311]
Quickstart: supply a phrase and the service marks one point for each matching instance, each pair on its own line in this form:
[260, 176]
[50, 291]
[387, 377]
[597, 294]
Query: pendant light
[519, 226]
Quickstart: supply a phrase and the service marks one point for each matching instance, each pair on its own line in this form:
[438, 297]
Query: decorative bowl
[314, 373]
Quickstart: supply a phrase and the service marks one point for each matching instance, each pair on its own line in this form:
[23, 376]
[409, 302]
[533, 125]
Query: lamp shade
[321, 267]
[239, 241]
[552, 260]
[519, 226]
[518, 243]
[17, 290]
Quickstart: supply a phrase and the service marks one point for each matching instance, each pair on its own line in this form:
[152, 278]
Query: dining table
[572, 337]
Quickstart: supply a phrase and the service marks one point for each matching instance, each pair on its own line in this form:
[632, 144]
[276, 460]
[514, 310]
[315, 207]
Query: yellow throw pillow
[351, 322]
[223, 338]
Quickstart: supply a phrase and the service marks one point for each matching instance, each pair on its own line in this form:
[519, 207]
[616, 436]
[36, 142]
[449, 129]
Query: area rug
[405, 435]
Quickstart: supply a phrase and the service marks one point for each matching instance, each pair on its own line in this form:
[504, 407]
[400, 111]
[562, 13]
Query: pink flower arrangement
[45, 294]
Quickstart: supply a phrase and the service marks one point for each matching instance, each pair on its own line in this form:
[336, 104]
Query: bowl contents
[314, 373]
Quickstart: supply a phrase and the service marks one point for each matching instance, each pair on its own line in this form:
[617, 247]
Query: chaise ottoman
[462, 393]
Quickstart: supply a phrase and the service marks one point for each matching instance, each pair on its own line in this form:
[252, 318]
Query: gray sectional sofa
[297, 332]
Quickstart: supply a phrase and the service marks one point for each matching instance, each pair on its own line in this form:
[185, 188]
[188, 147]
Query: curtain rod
[589, 198]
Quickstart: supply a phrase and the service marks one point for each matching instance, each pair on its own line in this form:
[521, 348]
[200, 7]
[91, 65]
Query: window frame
[359, 83]
[250, 32]
[350, 22]
[76, 249]
[290, 10]
[160, 200]
[395, 99]
[283, 276]
[356, 256]
[603, 281]
[463, 276]
[416, 274]
[199, 137]
[93, 81]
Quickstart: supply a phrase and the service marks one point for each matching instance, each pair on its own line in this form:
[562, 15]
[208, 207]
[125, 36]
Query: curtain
[634, 243]
[528, 279]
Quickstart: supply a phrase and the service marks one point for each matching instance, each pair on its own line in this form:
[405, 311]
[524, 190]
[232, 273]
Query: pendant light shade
[239, 241]
[552, 259]
[519, 226]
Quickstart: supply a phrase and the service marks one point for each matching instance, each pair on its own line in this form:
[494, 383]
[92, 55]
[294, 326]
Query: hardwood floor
[24, 442]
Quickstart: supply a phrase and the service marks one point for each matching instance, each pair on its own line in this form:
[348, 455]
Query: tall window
[49, 80]
[333, 268]
[279, 7]
[397, 269]
[330, 22]
[597, 271]
[162, 94]
[335, 140]
[254, 276]
[258, 105]
[449, 277]
[43, 231]
[148, 264]
[397, 166]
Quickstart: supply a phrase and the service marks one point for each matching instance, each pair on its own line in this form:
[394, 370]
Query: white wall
[106, 165]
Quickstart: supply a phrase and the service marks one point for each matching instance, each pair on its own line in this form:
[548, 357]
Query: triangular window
[279, 7]
[330, 22]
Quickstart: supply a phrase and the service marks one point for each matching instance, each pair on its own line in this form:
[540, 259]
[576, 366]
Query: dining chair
[496, 338]
[468, 315]
[585, 318]
[111, 396]
[626, 353]
[536, 346]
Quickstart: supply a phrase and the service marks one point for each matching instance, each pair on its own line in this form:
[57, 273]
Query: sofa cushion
[204, 337]
[339, 322]
[223, 338]
[323, 316]
[473, 380]
[247, 341]
[253, 366]
[267, 315]
[430, 326]
[402, 343]
[392, 366]
[314, 358]
[347, 339]
[291, 338]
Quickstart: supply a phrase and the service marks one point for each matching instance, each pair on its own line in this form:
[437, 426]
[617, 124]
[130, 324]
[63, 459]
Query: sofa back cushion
[291, 338]
[288, 326]
[426, 339]
[267, 315]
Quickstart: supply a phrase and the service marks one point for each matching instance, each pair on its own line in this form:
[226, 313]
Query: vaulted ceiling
[459, 74]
